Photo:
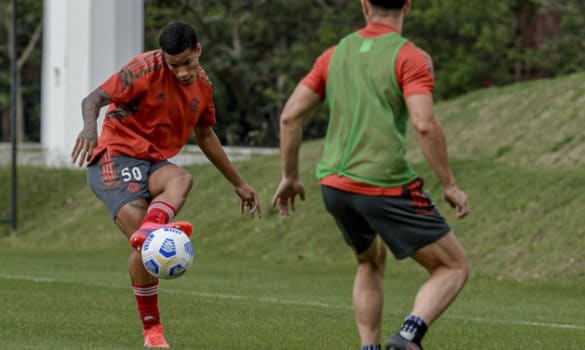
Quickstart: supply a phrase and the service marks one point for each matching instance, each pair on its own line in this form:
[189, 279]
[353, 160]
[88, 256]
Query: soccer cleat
[398, 342]
[154, 337]
[138, 237]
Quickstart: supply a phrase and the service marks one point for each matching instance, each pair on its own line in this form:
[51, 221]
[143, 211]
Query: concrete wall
[85, 41]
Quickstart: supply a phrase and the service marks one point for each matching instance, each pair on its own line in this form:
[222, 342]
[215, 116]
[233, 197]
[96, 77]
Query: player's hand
[84, 146]
[285, 195]
[249, 199]
[456, 199]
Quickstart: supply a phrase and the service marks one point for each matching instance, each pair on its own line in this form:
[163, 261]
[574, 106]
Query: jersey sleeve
[414, 71]
[316, 79]
[124, 86]
[207, 118]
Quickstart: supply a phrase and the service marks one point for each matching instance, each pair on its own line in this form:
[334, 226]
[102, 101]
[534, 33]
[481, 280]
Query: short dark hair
[388, 4]
[176, 37]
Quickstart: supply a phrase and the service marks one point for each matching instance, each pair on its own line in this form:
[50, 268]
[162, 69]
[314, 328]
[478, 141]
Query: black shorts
[405, 223]
[120, 179]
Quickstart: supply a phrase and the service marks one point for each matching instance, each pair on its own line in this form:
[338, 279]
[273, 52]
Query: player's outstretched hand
[456, 199]
[84, 145]
[285, 195]
[249, 199]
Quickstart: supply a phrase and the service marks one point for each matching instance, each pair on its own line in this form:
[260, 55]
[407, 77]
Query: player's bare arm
[431, 140]
[87, 138]
[213, 150]
[299, 108]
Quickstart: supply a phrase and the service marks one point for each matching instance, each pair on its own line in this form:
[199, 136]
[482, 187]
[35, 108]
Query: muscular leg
[446, 262]
[170, 184]
[368, 297]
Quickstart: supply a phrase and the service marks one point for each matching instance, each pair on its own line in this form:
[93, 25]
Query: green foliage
[29, 16]
[474, 44]
[257, 51]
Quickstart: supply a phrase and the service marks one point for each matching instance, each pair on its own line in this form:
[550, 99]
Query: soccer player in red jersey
[155, 102]
[374, 81]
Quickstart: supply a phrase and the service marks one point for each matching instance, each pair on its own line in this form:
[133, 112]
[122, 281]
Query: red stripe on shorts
[108, 174]
[419, 200]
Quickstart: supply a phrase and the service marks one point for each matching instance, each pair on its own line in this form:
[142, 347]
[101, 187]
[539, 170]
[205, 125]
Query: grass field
[285, 283]
[67, 300]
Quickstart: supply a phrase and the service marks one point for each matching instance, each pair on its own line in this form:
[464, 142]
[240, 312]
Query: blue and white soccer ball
[167, 253]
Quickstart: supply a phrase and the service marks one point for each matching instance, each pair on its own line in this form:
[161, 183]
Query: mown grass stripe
[304, 303]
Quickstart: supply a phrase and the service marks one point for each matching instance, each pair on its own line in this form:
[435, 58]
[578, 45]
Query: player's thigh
[446, 252]
[166, 176]
[355, 229]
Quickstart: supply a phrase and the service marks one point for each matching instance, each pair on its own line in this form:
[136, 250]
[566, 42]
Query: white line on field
[287, 302]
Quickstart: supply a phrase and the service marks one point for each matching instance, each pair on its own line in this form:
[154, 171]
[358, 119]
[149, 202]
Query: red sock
[159, 212]
[147, 303]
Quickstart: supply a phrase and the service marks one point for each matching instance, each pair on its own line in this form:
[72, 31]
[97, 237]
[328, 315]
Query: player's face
[185, 64]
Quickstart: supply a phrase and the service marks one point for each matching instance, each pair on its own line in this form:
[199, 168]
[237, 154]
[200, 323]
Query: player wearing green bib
[374, 82]
[365, 138]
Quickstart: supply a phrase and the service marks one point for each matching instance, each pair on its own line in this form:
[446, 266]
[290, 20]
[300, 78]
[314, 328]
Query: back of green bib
[368, 116]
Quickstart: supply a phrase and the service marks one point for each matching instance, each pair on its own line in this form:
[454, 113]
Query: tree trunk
[20, 135]
[5, 135]
[26, 53]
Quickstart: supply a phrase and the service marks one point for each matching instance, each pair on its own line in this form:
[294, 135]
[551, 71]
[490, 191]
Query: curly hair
[176, 37]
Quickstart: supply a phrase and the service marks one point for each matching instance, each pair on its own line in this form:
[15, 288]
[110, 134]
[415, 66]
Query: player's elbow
[86, 102]
[95, 100]
[288, 120]
[425, 126]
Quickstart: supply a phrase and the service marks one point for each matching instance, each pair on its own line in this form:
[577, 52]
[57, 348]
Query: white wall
[85, 41]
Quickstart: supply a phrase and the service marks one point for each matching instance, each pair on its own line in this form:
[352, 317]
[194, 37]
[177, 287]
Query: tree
[29, 29]
[255, 53]
[478, 43]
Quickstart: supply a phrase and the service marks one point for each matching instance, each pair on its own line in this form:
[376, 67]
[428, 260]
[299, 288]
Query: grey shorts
[405, 223]
[120, 179]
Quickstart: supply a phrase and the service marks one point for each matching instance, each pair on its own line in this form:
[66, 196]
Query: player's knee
[372, 266]
[461, 269]
[375, 256]
[465, 270]
[135, 257]
[184, 182]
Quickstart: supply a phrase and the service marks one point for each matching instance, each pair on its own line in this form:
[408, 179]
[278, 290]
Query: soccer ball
[167, 253]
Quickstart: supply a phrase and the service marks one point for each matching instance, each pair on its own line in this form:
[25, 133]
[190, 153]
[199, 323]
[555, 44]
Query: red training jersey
[152, 114]
[414, 74]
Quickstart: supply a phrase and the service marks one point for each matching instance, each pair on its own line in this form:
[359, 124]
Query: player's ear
[198, 50]
[365, 7]
[406, 6]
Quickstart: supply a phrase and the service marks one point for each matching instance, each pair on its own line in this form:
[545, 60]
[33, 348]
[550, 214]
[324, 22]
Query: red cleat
[138, 237]
[154, 337]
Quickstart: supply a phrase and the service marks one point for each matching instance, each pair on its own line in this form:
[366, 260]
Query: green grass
[285, 283]
[65, 300]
